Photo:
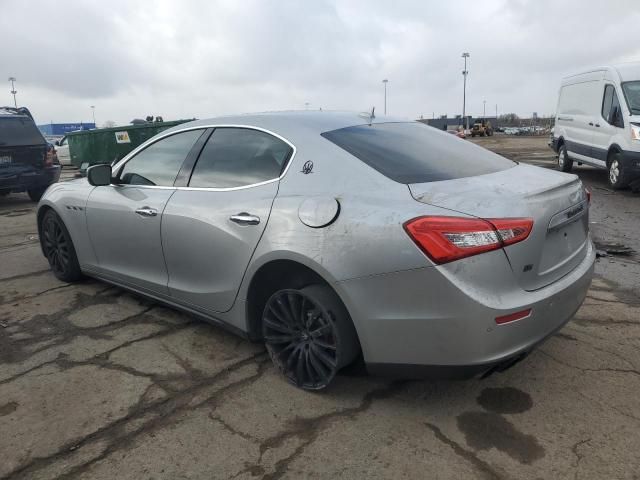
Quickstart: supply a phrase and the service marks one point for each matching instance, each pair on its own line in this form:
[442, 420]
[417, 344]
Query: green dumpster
[106, 145]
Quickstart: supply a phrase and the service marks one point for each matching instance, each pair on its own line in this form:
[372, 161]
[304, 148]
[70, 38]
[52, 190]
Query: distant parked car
[63, 151]
[27, 162]
[334, 235]
[598, 122]
[457, 133]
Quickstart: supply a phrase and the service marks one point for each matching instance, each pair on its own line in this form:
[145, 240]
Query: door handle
[598, 125]
[245, 218]
[147, 212]
[591, 123]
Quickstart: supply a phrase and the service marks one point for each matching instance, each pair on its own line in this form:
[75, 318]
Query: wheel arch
[614, 148]
[274, 273]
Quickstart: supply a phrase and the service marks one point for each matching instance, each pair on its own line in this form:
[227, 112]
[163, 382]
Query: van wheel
[617, 176]
[565, 164]
[309, 335]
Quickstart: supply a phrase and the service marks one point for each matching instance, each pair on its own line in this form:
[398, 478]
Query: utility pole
[465, 72]
[13, 91]
[93, 113]
[385, 81]
[496, 112]
[484, 108]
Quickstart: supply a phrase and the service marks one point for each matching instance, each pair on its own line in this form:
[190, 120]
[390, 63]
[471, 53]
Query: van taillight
[445, 239]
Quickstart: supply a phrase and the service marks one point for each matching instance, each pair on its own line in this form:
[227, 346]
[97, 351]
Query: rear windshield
[19, 131]
[413, 152]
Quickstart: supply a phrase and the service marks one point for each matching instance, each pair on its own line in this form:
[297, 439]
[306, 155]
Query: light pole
[13, 91]
[484, 108]
[465, 72]
[385, 81]
[93, 113]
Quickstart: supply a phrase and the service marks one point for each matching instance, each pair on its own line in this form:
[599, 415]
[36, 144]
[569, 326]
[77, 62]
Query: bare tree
[109, 124]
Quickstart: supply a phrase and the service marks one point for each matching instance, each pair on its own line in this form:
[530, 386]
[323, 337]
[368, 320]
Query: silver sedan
[334, 238]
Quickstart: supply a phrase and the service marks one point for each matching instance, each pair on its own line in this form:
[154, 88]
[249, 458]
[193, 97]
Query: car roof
[292, 124]
[625, 71]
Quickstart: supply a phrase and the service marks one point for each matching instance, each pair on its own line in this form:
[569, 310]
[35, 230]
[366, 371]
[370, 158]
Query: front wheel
[58, 248]
[564, 162]
[309, 335]
[617, 175]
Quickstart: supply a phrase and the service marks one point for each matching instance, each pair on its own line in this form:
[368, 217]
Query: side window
[235, 157]
[611, 111]
[606, 102]
[159, 163]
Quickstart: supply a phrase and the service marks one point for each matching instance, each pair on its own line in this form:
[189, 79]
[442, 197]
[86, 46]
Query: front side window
[159, 163]
[632, 95]
[237, 157]
[411, 152]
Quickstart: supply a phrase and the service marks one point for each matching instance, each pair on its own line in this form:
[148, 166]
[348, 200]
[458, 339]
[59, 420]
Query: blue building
[59, 129]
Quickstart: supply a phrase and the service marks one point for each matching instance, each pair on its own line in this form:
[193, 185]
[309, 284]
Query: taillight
[445, 239]
[588, 194]
[48, 157]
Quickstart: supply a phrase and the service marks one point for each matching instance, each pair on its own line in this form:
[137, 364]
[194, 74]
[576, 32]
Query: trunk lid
[555, 201]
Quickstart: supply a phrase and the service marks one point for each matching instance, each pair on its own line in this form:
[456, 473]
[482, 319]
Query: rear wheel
[564, 162]
[617, 175]
[309, 335]
[58, 248]
[35, 194]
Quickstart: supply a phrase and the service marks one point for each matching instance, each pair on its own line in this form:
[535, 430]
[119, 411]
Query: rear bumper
[26, 180]
[423, 323]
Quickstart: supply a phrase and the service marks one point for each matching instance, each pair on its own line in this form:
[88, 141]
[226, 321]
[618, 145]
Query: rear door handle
[147, 212]
[245, 218]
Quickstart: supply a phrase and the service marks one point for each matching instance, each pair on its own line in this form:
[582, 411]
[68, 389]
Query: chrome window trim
[151, 141]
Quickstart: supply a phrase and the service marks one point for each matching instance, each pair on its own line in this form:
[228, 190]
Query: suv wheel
[617, 176]
[309, 335]
[35, 194]
[564, 162]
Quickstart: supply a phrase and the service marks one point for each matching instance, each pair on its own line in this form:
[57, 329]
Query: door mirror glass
[57, 143]
[99, 175]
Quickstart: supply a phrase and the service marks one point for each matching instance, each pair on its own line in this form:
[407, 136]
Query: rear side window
[412, 152]
[237, 157]
[19, 132]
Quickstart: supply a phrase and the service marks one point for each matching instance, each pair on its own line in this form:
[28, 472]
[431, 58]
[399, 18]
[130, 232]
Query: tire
[309, 335]
[565, 164]
[35, 194]
[617, 176]
[58, 248]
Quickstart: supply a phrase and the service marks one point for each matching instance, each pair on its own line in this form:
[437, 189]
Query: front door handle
[147, 212]
[597, 125]
[245, 218]
[591, 123]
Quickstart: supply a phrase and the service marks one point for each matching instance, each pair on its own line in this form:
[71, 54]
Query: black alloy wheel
[58, 248]
[309, 335]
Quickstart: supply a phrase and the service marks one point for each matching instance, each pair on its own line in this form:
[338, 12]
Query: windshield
[19, 131]
[632, 95]
[413, 152]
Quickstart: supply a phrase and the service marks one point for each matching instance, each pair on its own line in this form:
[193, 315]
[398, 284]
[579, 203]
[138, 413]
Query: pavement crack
[481, 466]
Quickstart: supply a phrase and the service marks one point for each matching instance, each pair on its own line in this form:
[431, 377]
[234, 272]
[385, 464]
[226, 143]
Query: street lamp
[465, 72]
[13, 91]
[93, 113]
[385, 81]
[484, 108]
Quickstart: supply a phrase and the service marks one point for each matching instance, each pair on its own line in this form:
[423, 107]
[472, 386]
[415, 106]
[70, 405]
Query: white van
[598, 122]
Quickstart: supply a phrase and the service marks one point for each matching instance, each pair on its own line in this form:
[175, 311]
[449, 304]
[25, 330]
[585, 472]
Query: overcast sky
[183, 59]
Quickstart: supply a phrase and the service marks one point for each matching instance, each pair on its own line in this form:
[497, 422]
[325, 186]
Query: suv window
[411, 152]
[19, 131]
[611, 111]
[236, 157]
[159, 163]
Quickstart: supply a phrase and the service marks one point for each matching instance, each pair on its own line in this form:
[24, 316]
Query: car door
[124, 219]
[211, 228]
[608, 123]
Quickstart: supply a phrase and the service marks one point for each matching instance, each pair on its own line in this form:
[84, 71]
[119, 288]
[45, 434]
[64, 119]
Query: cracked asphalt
[97, 383]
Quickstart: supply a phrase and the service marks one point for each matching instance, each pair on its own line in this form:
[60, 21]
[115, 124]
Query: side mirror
[617, 118]
[57, 143]
[99, 175]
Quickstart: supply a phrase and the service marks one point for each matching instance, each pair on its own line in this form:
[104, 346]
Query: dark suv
[25, 163]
